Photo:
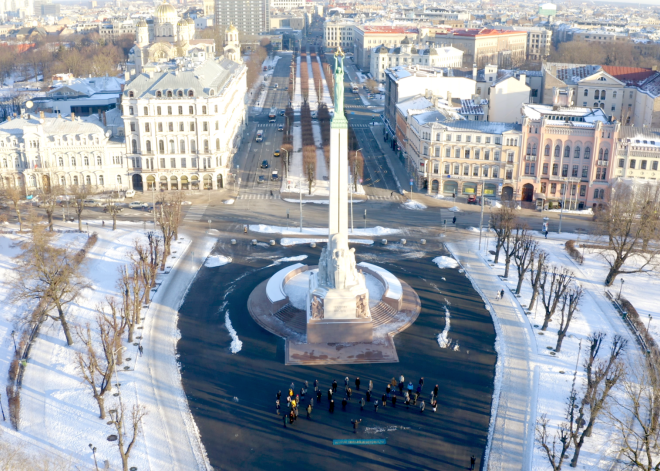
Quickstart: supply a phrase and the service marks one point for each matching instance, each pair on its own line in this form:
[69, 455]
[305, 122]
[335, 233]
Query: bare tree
[602, 376]
[146, 259]
[503, 221]
[630, 222]
[639, 401]
[168, 218]
[563, 436]
[560, 279]
[535, 275]
[15, 194]
[48, 199]
[127, 442]
[113, 208]
[131, 288]
[524, 256]
[80, 194]
[570, 302]
[96, 370]
[48, 273]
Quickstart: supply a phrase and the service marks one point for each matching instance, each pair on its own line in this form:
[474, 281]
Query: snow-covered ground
[415, 205]
[555, 371]
[287, 241]
[371, 231]
[58, 412]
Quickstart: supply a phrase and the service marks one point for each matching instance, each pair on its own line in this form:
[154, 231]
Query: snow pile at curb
[443, 338]
[445, 262]
[415, 205]
[454, 209]
[229, 201]
[214, 261]
[439, 197]
[297, 258]
[588, 211]
[236, 344]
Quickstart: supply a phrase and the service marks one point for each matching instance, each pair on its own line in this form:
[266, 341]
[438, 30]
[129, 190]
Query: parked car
[472, 199]
[262, 179]
[138, 205]
[119, 209]
[281, 112]
[264, 164]
[91, 203]
[130, 193]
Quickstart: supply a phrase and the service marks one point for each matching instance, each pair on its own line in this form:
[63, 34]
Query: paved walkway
[512, 424]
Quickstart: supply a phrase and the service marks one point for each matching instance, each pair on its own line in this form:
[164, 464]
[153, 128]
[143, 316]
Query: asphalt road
[232, 396]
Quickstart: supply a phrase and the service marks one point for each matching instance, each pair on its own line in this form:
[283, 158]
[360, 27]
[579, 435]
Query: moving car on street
[137, 205]
[264, 164]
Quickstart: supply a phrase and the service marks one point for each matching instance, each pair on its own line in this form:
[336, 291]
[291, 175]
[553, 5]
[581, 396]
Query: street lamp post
[649, 326]
[2, 409]
[114, 357]
[93, 448]
[300, 192]
[561, 214]
[621, 288]
[481, 218]
[13, 335]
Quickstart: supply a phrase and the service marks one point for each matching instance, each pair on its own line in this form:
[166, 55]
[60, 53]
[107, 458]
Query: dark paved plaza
[232, 396]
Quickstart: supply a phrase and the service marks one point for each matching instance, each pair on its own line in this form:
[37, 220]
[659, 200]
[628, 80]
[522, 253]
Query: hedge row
[573, 252]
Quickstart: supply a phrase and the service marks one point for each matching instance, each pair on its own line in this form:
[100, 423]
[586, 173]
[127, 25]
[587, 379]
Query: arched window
[557, 150]
[534, 149]
[190, 110]
[130, 94]
[211, 92]
[169, 94]
[576, 153]
[203, 109]
[193, 148]
[75, 180]
[60, 162]
[86, 161]
[146, 111]
[603, 94]
[88, 180]
[567, 151]
[529, 149]
[101, 181]
[4, 163]
[190, 93]
[217, 144]
[587, 152]
[596, 194]
[134, 146]
[161, 147]
[148, 144]
[159, 94]
[600, 154]
[586, 92]
[546, 152]
[179, 93]
[172, 147]
[73, 161]
[182, 146]
[596, 94]
[606, 155]
[99, 162]
[62, 181]
[206, 146]
[119, 179]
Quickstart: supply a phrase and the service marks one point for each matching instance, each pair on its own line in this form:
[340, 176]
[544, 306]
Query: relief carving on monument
[361, 306]
[317, 308]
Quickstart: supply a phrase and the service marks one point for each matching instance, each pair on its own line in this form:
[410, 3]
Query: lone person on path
[141, 349]
[343, 403]
[410, 387]
[355, 423]
[376, 405]
[497, 298]
[277, 406]
[357, 383]
[421, 383]
[401, 384]
[384, 399]
[371, 385]
[284, 419]
[346, 382]
[332, 406]
[316, 385]
[473, 460]
[334, 386]
[502, 294]
[453, 221]
[309, 411]
[435, 391]
[362, 404]
[349, 391]
[279, 394]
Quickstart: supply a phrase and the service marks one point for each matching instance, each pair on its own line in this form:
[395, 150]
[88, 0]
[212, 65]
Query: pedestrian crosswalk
[250, 196]
[365, 125]
[195, 213]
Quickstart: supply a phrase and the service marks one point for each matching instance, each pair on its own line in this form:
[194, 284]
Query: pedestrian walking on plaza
[284, 419]
[393, 383]
[277, 406]
[279, 395]
[302, 392]
[371, 385]
[141, 349]
[384, 399]
[343, 403]
[388, 389]
[497, 298]
[362, 404]
[291, 391]
[316, 385]
[419, 390]
[329, 394]
[332, 406]
[293, 404]
[368, 396]
[415, 399]
[318, 396]
[334, 386]
[349, 391]
[355, 423]
[502, 294]
[434, 405]
[401, 385]
[453, 221]
[422, 407]
[306, 385]
[407, 402]
[393, 401]
[435, 391]
[346, 382]
[309, 411]
[357, 383]
[410, 387]
[376, 405]
[421, 383]
[292, 417]
[473, 460]
[288, 402]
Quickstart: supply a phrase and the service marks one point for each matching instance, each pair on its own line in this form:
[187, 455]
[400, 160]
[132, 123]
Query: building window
[486, 155]
[192, 126]
[477, 154]
[575, 171]
[193, 148]
[134, 146]
[170, 127]
[160, 127]
[448, 152]
[643, 165]
[456, 169]
[557, 151]
[182, 146]
[587, 153]
[586, 92]
[206, 146]
[436, 167]
[509, 158]
[497, 156]
[544, 187]
[458, 138]
[583, 190]
[203, 109]
[205, 126]
[426, 150]
[633, 162]
[101, 180]
[162, 163]
[555, 169]
[99, 162]
[183, 162]
[447, 169]
[132, 127]
[457, 153]
[130, 110]
[180, 108]
[553, 188]
[654, 165]
[146, 111]
[546, 152]
[161, 147]
[545, 169]
[467, 153]
[466, 170]
[172, 163]
[147, 128]
[158, 111]
[576, 153]
[190, 110]
[596, 94]
[217, 144]
[148, 145]
[567, 152]
[119, 179]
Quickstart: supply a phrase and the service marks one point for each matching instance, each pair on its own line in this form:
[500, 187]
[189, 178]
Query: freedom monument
[339, 311]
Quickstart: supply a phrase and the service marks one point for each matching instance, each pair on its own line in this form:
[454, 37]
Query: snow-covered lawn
[58, 412]
[555, 371]
[414, 205]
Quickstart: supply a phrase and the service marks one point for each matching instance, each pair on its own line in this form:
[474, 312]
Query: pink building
[566, 147]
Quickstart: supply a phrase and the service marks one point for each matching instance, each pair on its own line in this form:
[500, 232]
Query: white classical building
[408, 54]
[184, 123]
[38, 152]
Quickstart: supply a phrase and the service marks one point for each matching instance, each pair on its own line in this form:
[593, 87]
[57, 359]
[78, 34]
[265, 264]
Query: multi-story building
[384, 57]
[637, 154]
[338, 33]
[629, 94]
[539, 41]
[567, 154]
[367, 37]
[287, 4]
[250, 17]
[184, 124]
[114, 29]
[463, 157]
[39, 153]
[82, 96]
[487, 46]
[600, 36]
[293, 20]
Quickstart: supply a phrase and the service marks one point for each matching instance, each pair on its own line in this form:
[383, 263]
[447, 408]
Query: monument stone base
[340, 330]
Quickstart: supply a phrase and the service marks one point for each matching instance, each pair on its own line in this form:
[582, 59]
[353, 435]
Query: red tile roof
[634, 74]
[482, 32]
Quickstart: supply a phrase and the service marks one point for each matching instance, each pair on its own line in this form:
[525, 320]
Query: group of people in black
[408, 395]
